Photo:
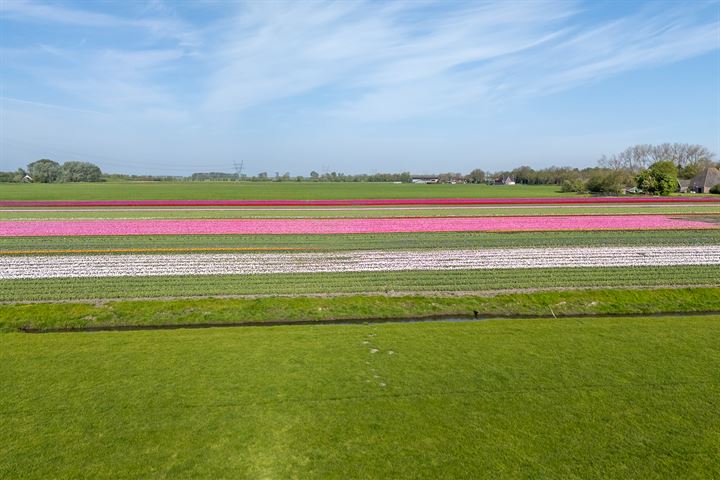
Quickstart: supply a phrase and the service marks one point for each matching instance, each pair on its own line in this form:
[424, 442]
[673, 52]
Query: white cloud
[400, 61]
[167, 26]
[348, 66]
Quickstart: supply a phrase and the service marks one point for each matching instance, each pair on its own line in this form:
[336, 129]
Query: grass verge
[49, 316]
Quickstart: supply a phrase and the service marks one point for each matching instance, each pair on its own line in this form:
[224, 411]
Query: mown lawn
[263, 191]
[571, 398]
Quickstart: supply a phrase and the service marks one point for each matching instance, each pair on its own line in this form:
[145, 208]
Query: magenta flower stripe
[357, 202]
[338, 226]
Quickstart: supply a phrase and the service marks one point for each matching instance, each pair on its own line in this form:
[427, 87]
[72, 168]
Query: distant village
[453, 179]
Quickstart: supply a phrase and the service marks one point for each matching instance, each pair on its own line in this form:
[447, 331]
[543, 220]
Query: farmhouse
[705, 180]
[425, 179]
[683, 185]
[502, 181]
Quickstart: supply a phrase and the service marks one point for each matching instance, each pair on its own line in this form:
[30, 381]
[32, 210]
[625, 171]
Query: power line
[239, 168]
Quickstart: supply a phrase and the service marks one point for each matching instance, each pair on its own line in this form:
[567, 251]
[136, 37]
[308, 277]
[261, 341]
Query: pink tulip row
[359, 202]
[346, 225]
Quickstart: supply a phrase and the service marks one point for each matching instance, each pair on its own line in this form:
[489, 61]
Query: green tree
[692, 169]
[19, 175]
[44, 171]
[80, 172]
[609, 181]
[577, 186]
[660, 179]
[476, 176]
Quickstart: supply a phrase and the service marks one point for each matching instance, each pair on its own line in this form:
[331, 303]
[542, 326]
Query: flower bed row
[356, 202]
[18, 267]
[345, 225]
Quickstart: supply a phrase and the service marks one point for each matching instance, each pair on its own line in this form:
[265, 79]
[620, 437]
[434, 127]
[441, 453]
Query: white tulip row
[17, 267]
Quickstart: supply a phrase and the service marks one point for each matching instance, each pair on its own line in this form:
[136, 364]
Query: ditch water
[374, 321]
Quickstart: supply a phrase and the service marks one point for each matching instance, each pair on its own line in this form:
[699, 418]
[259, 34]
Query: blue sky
[168, 87]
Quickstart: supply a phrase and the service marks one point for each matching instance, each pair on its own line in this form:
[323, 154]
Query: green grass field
[571, 398]
[261, 191]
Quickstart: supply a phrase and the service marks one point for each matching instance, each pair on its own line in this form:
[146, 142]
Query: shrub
[609, 182]
[576, 185]
[660, 179]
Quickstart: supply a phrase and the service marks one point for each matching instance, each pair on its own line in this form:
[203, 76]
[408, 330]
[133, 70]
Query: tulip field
[159, 248]
[132, 265]
[528, 334]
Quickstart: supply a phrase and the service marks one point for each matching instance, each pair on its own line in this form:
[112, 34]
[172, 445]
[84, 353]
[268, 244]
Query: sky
[176, 87]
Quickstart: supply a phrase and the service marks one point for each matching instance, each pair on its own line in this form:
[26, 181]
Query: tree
[314, 175]
[690, 170]
[19, 175]
[523, 174]
[45, 171]
[80, 172]
[609, 181]
[577, 186]
[476, 176]
[405, 177]
[639, 157]
[660, 179]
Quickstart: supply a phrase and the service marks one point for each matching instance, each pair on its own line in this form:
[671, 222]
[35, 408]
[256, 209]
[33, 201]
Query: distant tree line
[689, 159]
[49, 171]
[653, 169]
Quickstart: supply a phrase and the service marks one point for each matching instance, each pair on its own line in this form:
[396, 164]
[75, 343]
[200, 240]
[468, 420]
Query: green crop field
[262, 191]
[568, 398]
[427, 240]
[427, 282]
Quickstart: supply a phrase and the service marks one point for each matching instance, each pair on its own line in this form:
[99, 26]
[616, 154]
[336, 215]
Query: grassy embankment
[49, 316]
[571, 398]
[263, 191]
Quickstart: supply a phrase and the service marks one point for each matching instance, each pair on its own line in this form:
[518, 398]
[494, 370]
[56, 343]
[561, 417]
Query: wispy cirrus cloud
[160, 26]
[272, 51]
[405, 59]
[364, 60]
[211, 71]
